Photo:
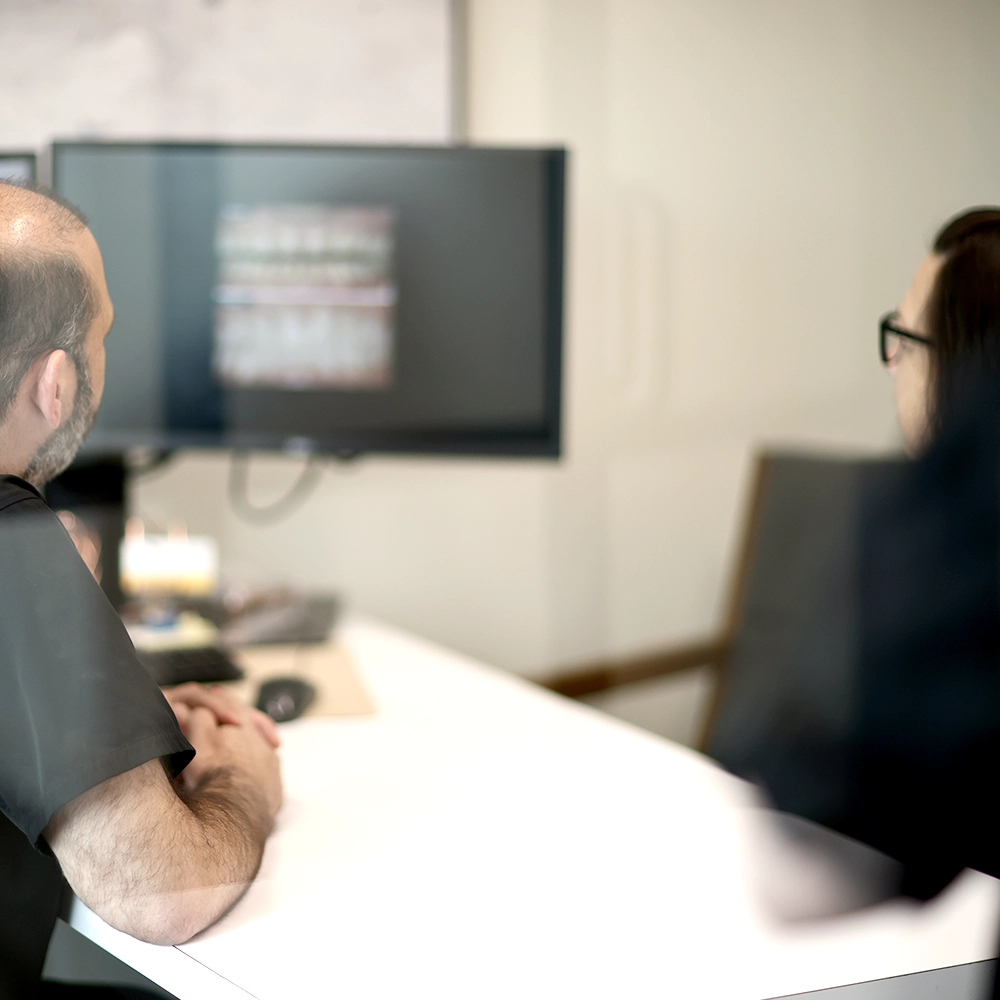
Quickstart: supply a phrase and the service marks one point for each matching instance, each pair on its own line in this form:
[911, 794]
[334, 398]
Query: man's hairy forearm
[234, 821]
[159, 863]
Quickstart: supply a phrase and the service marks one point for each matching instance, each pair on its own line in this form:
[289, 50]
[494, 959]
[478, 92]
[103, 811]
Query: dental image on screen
[305, 297]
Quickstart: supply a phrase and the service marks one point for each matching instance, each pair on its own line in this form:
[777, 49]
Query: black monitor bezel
[541, 441]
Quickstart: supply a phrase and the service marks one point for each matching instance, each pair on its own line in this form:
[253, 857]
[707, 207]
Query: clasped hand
[226, 733]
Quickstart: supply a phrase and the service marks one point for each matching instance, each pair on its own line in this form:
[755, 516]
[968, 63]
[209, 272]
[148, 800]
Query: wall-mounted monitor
[18, 167]
[327, 298]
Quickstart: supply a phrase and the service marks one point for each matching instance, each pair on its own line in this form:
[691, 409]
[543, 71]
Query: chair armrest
[594, 677]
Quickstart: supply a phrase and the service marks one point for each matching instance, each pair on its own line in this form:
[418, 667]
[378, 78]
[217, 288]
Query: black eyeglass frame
[887, 325]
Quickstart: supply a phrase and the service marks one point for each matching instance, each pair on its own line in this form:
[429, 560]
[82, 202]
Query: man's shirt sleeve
[76, 705]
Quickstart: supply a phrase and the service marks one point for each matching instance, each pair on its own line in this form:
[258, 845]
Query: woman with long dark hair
[943, 343]
[915, 756]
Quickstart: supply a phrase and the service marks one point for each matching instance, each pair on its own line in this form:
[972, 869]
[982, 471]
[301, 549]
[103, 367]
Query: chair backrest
[794, 616]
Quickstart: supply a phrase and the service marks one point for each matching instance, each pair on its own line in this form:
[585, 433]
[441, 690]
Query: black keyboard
[205, 664]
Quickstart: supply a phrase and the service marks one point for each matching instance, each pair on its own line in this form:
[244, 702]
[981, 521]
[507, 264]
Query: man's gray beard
[58, 451]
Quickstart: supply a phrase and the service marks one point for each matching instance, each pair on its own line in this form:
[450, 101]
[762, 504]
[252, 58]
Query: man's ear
[53, 387]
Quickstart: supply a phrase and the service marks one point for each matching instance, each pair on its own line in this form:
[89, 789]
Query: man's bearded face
[58, 451]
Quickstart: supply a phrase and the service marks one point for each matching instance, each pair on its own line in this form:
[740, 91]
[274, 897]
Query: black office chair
[791, 655]
[798, 525]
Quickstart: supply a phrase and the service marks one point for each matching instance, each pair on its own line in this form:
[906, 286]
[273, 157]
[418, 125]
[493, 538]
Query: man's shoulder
[17, 496]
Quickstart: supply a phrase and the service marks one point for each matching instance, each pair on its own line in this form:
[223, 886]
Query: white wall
[228, 69]
[751, 186]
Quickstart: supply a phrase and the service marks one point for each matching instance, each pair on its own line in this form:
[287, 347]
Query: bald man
[155, 811]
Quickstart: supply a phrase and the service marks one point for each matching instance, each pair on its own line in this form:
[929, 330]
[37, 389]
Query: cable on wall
[272, 513]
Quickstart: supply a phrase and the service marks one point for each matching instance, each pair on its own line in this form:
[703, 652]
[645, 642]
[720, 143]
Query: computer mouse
[285, 698]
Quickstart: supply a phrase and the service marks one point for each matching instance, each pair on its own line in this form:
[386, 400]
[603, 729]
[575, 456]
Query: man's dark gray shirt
[76, 708]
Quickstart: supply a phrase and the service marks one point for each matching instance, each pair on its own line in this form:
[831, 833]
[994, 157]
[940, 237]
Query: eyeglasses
[889, 336]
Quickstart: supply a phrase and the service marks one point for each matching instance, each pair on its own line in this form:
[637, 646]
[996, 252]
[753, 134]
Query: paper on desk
[327, 667]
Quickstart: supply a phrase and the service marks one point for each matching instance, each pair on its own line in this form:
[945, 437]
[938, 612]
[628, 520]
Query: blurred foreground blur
[880, 716]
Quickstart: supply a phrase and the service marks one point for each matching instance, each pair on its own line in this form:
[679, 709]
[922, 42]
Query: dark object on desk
[93, 489]
[204, 664]
[285, 698]
[297, 618]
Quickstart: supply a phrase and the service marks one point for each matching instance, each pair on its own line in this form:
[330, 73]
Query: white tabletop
[478, 837]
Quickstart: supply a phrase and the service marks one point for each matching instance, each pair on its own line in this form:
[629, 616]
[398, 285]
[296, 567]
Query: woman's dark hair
[963, 312]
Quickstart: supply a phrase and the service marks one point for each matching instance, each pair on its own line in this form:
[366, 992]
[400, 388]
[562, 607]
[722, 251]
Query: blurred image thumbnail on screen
[305, 297]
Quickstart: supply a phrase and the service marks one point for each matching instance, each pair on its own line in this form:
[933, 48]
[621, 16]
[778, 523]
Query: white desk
[478, 837]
